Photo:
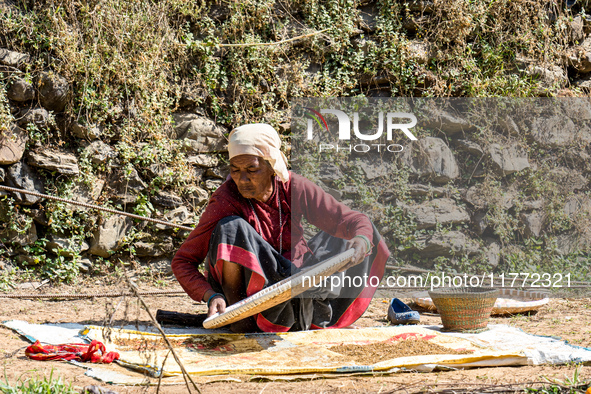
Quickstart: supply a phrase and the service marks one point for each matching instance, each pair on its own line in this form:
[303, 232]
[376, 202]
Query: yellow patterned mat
[296, 353]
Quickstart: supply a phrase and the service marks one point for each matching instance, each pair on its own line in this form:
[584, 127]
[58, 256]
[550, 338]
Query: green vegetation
[36, 385]
[570, 385]
[5, 116]
[141, 59]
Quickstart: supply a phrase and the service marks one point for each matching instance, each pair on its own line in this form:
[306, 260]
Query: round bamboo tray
[464, 308]
[279, 292]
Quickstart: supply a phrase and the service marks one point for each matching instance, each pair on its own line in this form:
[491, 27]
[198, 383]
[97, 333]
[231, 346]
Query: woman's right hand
[216, 301]
[217, 305]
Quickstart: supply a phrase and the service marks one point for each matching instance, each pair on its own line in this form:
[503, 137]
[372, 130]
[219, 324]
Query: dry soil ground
[566, 318]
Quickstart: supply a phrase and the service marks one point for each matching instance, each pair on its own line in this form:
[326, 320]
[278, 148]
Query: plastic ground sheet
[319, 353]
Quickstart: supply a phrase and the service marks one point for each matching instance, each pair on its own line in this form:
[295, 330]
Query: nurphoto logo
[395, 122]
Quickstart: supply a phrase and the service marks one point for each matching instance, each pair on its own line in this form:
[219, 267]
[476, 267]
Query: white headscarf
[259, 139]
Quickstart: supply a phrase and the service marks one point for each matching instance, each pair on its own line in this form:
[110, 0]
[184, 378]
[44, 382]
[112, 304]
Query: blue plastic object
[400, 313]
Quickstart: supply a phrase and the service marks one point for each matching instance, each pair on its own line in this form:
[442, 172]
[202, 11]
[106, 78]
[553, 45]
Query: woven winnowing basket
[280, 291]
[464, 308]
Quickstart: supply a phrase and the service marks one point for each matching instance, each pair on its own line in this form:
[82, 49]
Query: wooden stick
[157, 325]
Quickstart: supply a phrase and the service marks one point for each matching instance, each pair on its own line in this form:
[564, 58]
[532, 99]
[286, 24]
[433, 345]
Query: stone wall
[490, 183]
[467, 191]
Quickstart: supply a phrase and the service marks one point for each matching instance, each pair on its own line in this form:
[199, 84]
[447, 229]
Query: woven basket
[464, 308]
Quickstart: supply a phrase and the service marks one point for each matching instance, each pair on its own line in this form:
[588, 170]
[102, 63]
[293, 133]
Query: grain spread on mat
[381, 351]
[143, 344]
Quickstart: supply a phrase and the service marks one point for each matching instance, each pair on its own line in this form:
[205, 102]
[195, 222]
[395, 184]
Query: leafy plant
[6, 117]
[34, 385]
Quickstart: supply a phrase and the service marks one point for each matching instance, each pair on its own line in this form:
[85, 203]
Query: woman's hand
[217, 305]
[361, 249]
[216, 301]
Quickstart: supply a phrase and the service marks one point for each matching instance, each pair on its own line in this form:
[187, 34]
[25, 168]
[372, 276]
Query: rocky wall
[465, 192]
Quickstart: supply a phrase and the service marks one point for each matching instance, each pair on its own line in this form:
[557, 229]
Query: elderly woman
[250, 236]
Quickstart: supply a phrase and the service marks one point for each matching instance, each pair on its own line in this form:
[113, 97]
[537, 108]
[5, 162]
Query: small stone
[158, 170]
[94, 389]
[584, 137]
[468, 146]
[221, 172]
[442, 211]
[198, 173]
[446, 122]
[213, 184]
[161, 266]
[531, 205]
[420, 190]
[480, 198]
[127, 180]
[566, 243]
[376, 169]
[508, 125]
[329, 173]
[88, 132]
[337, 194]
[63, 163]
[579, 57]
[160, 247]
[350, 191]
[577, 205]
[446, 244]
[65, 246]
[532, 223]
[167, 200]
[199, 134]
[125, 186]
[87, 193]
[584, 82]
[432, 159]
[575, 30]
[420, 51]
[99, 152]
[38, 117]
[368, 17]
[553, 132]
[20, 90]
[13, 59]
[109, 237]
[198, 197]
[39, 216]
[25, 238]
[480, 221]
[53, 91]
[20, 175]
[576, 108]
[204, 160]
[508, 159]
[12, 145]
[180, 215]
[85, 265]
[492, 254]
[551, 76]
[26, 259]
[568, 179]
[424, 6]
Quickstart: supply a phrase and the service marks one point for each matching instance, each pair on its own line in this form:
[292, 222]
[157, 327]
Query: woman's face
[253, 176]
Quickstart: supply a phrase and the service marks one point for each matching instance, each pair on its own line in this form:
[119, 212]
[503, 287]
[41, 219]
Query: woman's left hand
[360, 247]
